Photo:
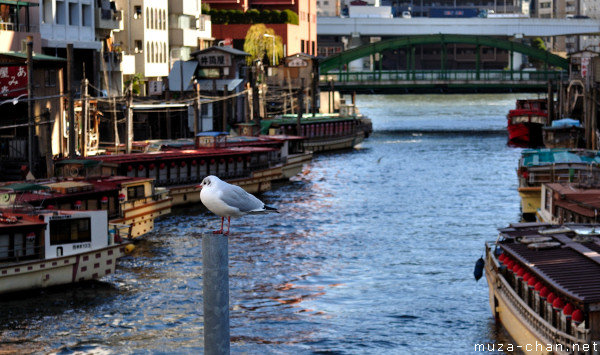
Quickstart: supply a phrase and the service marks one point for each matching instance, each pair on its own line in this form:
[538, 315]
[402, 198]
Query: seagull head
[208, 181]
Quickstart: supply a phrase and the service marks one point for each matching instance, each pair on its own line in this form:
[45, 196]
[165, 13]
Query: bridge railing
[443, 75]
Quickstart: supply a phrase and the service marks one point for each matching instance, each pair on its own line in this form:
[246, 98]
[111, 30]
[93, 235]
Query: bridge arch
[339, 60]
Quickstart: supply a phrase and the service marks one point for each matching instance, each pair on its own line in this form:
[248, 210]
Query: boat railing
[118, 232]
[24, 253]
[536, 178]
[562, 342]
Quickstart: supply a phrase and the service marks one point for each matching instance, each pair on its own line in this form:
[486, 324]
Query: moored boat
[544, 286]
[525, 122]
[564, 133]
[538, 166]
[128, 200]
[40, 249]
[324, 132]
[569, 203]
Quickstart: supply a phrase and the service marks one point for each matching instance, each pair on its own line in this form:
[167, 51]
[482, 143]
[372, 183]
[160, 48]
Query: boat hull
[503, 311]
[37, 274]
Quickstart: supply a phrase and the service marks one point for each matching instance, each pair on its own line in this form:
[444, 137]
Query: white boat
[40, 249]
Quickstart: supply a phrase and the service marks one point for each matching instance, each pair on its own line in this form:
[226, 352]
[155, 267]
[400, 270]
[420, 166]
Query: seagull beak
[199, 187]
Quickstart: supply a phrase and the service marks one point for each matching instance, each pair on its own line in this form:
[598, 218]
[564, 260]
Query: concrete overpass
[511, 27]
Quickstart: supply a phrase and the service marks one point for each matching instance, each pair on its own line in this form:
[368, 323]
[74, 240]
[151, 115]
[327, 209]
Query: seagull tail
[266, 209]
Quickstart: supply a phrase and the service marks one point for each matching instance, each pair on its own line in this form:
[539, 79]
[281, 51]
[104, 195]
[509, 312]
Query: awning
[19, 3]
[207, 85]
[175, 76]
[24, 187]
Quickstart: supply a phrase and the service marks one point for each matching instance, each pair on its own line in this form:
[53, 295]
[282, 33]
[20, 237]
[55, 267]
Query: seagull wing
[237, 197]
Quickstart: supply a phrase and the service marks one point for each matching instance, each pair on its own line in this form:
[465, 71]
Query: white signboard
[297, 62]
[214, 59]
[155, 87]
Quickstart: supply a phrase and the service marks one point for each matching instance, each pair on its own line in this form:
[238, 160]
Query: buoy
[129, 248]
[478, 272]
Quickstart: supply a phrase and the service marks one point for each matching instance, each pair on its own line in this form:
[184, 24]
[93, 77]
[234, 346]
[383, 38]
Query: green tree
[537, 43]
[259, 46]
[136, 81]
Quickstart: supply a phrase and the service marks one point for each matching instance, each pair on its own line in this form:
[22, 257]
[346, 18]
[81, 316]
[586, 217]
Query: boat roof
[574, 197]
[536, 157]
[165, 155]
[571, 269]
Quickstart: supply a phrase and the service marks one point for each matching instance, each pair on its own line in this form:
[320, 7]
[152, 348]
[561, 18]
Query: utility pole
[31, 119]
[71, 111]
[300, 108]
[225, 93]
[129, 119]
[196, 108]
[85, 116]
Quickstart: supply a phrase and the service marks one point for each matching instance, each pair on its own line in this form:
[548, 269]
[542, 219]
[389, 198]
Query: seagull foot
[218, 232]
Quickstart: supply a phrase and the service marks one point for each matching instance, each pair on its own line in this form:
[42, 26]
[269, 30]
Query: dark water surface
[372, 253]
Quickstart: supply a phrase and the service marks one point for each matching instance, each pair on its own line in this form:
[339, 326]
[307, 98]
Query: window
[86, 15]
[47, 8]
[137, 12]
[61, 13]
[138, 46]
[135, 192]
[50, 78]
[73, 14]
[64, 231]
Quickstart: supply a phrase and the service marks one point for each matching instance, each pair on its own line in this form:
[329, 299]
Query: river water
[372, 253]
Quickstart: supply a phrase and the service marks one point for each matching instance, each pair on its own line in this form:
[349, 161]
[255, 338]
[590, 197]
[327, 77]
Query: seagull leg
[220, 231]
[228, 224]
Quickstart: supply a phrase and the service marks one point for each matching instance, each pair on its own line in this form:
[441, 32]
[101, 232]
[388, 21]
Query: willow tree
[260, 46]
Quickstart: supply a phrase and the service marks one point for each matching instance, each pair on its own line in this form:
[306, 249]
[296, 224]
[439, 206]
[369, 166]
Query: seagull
[226, 200]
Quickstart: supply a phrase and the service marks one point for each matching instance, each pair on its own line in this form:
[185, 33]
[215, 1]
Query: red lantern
[544, 292]
[526, 276]
[78, 204]
[202, 162]
[151, 167]
[129, 168]
[558, 303]
[173, 164]
[248, 158]
[182, 164]
[538, 286]
[141, 167]
[194, 162]
[230, 160]
[121, 197]
[161, 166]
[577, 316]
[568, 310]
[551, 297]
[532, 281]
[221, 161]
[212, 162]
[104, 200]
[240, 159]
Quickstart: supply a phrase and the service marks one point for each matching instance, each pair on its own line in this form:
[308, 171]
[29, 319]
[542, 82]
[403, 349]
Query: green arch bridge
[335, 73]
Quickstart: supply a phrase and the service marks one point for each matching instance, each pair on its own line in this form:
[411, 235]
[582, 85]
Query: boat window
[135, 192]
[64, 231]
[4, 245]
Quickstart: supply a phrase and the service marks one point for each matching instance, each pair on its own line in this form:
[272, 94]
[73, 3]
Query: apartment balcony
[109, 19]
[183, 37]
[185, 7]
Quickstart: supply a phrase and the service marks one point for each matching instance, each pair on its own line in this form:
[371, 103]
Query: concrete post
[215, 286]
